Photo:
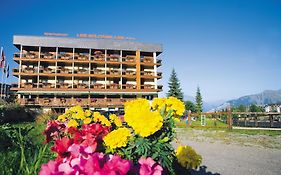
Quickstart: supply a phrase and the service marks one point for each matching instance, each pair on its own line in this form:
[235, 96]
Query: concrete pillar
[155, 69]
[138, 70]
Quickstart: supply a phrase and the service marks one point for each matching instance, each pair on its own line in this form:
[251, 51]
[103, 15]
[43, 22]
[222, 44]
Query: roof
[86, 43]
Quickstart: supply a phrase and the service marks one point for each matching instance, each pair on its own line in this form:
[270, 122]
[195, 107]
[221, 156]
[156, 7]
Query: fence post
[229, 117]
[271, 120]
[189, 118]
[256, 120]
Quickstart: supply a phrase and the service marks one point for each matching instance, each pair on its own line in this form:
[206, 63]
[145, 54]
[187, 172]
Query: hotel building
[60, 72]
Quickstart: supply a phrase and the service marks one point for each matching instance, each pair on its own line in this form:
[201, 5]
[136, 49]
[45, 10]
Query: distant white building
[273, 108]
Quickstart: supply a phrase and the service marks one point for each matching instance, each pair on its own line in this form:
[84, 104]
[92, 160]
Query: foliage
[174, 86]
[19, 154]
[189, 106]
[90, 143]
[199, 101]
[14, 113]
[255, 108]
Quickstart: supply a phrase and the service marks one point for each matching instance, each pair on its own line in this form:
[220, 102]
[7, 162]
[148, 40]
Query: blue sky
[229, 48]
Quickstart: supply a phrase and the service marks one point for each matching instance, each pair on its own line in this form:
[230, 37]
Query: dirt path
[233, 157]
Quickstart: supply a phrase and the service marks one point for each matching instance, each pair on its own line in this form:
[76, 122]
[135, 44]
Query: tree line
[197, 107]
[176, 91]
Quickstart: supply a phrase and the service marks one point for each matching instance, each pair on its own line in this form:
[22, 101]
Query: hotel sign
[82, 35]
[55, 34]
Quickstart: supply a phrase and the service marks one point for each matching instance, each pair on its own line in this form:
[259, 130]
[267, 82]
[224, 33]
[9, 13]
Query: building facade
[60, 72]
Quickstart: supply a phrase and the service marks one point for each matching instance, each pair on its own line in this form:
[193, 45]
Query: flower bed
[87, 142]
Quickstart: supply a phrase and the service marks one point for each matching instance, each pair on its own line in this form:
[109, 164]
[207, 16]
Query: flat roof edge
[87, 43]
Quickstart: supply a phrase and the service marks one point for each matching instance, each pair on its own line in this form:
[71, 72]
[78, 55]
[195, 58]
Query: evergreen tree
[199, 102]
[174, 86]
[189, 106]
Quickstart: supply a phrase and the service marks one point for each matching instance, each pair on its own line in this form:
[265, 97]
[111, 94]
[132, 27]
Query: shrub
[14, 113]
[43, 118]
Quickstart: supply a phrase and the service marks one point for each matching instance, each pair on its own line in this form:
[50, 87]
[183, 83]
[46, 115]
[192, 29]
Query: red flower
[61, 147]
[53, 130]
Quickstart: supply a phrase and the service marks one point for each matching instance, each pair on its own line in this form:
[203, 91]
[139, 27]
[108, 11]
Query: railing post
[271, 120]
[189, 118]
[229, 116]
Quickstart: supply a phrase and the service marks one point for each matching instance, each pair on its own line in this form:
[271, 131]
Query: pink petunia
[149, 167]
[51, 168]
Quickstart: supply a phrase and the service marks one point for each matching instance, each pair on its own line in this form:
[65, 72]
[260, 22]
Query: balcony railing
[129, 72]
[97, 86]
[48, 55]
[65, 56]
[113, 72]
[81, 56]
[113, 86]
[98, 71]
[129, 58]
[147, 86]
[129, 86]
[147, 73]
[147, 59]
[29, 70]
[113, 58]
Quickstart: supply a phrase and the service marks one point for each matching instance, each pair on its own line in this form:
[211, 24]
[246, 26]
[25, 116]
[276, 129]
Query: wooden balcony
[129, 86]
[147, 86]
[81, 71]
[67, 102]
[130, 72]
[98, 71]
[113, 72]
[64, 70]
[81, 57]
[147, 73]
[46, 85]
[114, 86]
[81, 85]
[147, 59]
[48, 55]
[29, 70]
[63, 85]
[129, 59]
[113, 58]
[97, 86]
[65, 56]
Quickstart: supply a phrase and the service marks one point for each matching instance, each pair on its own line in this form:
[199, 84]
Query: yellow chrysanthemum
[187, 157]
[176, 119]
[158, 103]
[101, 118]
[117, 138]
[72, 123]
[139, 116]
[176, 105]
[116, 120]
[75, 112]
[87, 120]
[62, 118]
[88, 113]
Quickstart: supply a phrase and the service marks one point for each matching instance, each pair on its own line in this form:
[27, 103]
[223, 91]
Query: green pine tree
[189, 106]
[199, 102]
[174, 86]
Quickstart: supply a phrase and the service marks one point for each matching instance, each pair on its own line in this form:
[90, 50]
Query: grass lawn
[260, 138]
[209, 122]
